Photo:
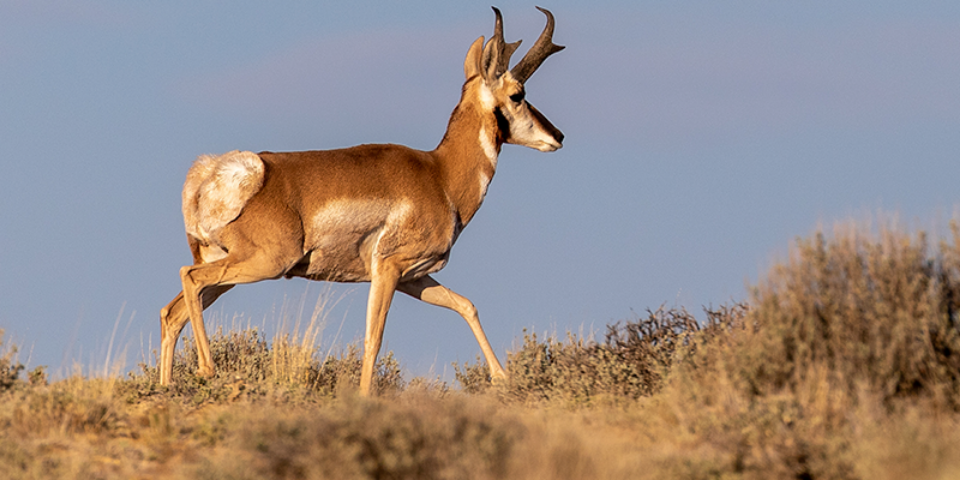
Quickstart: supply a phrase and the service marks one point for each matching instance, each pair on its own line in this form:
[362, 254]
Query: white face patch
[530, 133]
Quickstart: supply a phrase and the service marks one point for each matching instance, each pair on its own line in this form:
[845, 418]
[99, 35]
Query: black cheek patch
[502, 123]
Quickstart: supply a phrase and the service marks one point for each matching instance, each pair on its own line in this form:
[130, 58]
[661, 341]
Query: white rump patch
[216, 190]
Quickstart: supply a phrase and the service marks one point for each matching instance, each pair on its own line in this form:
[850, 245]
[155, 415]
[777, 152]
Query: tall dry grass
[844, 362]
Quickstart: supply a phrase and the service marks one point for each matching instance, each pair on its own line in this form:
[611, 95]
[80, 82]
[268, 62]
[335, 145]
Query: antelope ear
[490, 60]
[471, 66]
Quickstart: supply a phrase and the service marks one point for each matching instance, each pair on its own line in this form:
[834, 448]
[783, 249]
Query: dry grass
[843, 363]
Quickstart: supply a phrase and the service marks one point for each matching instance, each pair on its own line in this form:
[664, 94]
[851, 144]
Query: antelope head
[501, 91]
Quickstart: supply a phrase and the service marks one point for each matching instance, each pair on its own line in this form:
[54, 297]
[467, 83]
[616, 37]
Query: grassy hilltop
[843, 363]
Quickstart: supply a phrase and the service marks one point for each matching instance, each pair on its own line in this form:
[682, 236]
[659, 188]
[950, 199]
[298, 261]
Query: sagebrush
[844, 362]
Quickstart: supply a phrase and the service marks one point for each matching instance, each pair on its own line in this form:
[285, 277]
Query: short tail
[216, 190]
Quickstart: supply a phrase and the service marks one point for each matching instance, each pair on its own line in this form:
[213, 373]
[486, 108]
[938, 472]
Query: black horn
[505, 49]
[538, 53]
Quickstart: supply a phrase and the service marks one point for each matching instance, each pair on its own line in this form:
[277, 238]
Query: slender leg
[224, 273]
[382, 286]
[173, 318]
[429, 290]
[193, 302]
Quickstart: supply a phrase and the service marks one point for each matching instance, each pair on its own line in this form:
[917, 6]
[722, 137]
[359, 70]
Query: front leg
[429, 290]
[383, 283]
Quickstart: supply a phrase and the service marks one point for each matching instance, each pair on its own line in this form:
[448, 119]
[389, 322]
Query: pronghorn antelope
[384, 214]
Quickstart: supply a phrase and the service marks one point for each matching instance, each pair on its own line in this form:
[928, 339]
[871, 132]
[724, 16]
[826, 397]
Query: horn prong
[543, 48]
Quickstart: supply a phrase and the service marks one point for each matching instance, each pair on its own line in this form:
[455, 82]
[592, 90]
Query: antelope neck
[468, 157]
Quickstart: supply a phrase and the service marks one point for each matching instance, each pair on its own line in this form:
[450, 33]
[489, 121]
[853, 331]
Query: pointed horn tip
[550, 20]
[545, 11]
[498, 23]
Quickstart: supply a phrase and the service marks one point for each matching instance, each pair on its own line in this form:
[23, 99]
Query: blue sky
[701, 139]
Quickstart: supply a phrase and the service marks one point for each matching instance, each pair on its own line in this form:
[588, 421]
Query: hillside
[844, 362]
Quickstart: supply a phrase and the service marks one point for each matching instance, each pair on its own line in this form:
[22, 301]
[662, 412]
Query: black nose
[559, 136]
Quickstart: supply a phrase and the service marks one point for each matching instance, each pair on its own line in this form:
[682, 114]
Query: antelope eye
[517, 97]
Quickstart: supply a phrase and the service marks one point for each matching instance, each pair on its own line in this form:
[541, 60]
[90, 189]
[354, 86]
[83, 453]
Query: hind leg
[430, 291]
[173, 318]
[238, 267]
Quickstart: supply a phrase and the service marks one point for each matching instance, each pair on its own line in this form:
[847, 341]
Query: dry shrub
[809, 379]
[415, 437]
[878, 311]
[844, 364]
[57, 430]
[246, 363]
[629, 363]
[875, 313]
[914, 441]
[75, 405]
[9, 368]
[473, 378]
[864, 310]
[852, 323]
